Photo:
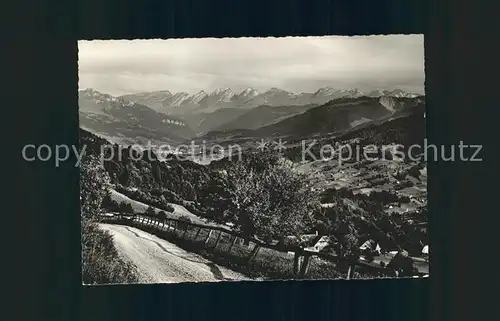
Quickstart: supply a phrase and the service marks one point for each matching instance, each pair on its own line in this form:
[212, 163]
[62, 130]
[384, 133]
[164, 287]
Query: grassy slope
[179, 210]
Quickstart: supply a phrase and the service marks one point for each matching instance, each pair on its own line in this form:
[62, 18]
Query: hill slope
[262, 116]
[335, 116]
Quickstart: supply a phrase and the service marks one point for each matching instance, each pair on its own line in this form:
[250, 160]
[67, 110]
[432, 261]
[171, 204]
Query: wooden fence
[227, 241]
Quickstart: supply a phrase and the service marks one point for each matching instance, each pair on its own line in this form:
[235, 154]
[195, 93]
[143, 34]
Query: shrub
[125, 207]
[184, 221]
[185, 218]
[100, 261]
[167, 207]
[162, 215]
[109, 204]
[150, 211]
[94, 184]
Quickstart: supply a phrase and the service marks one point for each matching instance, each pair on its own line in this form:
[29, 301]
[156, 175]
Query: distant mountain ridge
[115, 117]
[164, 101]
[337, 115]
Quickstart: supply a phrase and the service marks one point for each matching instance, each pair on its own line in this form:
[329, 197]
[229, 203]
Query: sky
[296, 64]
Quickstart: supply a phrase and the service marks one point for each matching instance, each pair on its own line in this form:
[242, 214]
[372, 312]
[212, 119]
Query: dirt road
[159, 261]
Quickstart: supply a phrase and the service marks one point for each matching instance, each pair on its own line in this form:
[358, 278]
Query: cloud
[293, 63]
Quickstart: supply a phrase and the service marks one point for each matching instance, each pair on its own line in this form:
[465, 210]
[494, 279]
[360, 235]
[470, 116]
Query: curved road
[159, 261]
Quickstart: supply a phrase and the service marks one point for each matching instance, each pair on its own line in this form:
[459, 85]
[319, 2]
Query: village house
[320, 243]
[370, 246]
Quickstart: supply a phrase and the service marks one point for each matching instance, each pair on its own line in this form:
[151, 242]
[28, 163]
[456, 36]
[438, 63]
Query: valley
[377, 198]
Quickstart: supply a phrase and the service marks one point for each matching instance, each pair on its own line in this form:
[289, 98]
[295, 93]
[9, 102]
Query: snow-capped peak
[199, 96]
[88, 91]
[219, 91]
[275, 90]
[326, 91]
[91, 92]
[401, 94]
[249, 92]
[398, 93]
[179, 98]
[98, 96]
[223, 94]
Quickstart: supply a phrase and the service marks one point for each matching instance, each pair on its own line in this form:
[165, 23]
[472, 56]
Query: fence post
[208, 237]
[232, 243]
[185, 231]
[197, 233]
[296, 262]
[217, 240]
[304, 265]
[254, 253]
[246, 241]
[350, 272]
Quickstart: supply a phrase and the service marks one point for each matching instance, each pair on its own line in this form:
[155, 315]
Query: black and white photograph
[252, 159]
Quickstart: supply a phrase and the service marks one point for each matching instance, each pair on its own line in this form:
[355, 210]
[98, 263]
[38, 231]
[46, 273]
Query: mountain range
[183, 102]
[137, 118]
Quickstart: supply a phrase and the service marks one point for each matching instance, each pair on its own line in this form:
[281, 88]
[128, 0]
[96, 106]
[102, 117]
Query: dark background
[41, 250]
